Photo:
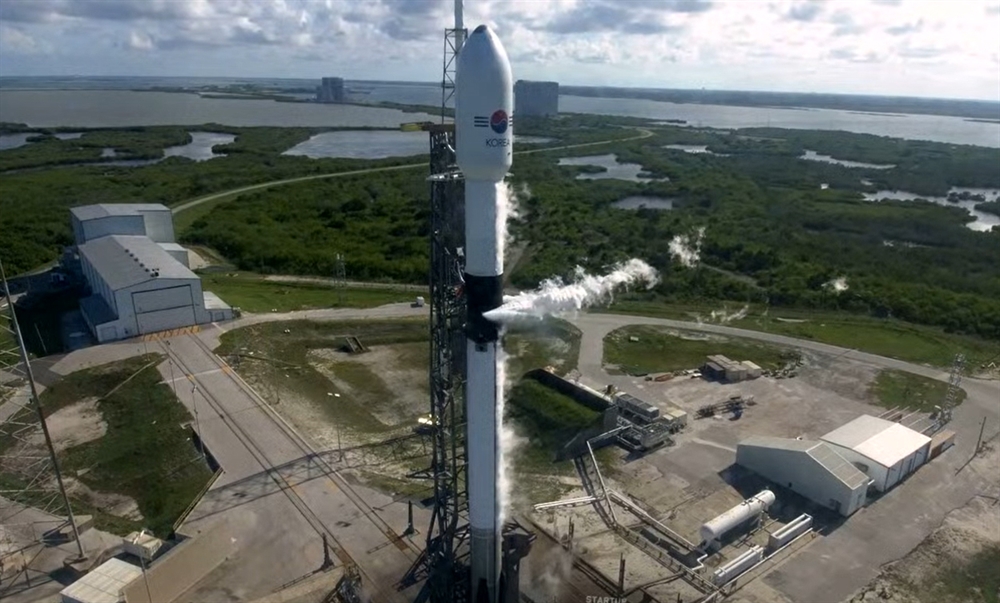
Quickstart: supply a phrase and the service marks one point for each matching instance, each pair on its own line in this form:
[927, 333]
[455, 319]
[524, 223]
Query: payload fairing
[484, 141]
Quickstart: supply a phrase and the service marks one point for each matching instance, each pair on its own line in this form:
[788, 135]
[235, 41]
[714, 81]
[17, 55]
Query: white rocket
[484, 141]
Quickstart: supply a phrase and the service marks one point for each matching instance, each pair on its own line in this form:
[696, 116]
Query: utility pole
[41, 414]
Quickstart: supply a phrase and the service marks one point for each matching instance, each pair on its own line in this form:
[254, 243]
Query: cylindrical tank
[737, 566]
[746, 510]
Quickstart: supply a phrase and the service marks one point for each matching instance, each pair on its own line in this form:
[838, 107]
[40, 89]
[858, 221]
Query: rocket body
[484, 151]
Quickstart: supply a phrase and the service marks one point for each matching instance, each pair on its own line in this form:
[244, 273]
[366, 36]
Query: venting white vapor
[837, 285]
[557, 297]
[687, 248]
[725, 317]
[508, 208]
[509, 440]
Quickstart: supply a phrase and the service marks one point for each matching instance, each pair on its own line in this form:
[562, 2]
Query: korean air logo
[498, 121]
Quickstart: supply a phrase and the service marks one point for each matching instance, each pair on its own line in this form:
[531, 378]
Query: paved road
[275, 493]
[982, 393]
[263, 185]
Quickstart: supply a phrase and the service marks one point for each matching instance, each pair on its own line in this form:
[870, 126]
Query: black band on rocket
[482, 294]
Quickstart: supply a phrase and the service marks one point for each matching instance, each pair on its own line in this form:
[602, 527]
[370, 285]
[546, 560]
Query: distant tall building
[536, 98]
[331, 90]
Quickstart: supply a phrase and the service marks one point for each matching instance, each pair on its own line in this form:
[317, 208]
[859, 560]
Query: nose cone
[484, 106]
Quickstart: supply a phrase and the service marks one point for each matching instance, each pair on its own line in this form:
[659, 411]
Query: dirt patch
[68, 427]
[841, 376]
[75, 424]
[391, 382]
[118, 505]
[952, 565]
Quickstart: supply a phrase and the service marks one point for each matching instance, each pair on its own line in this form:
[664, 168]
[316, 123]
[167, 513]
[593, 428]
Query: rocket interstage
[484, 141]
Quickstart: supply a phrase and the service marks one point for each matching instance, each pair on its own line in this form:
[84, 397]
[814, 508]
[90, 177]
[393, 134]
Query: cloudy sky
[944, 48]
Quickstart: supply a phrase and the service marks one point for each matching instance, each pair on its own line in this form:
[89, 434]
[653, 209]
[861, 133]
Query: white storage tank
[737, 566]
[749, 509]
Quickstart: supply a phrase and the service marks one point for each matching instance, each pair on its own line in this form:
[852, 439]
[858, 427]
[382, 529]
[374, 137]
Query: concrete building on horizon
[330, 90]
[536, 98]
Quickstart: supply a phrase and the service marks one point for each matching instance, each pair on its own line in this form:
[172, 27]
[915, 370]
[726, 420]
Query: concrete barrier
[186, 564]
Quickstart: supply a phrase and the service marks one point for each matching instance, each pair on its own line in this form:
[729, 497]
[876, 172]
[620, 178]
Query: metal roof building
[103, 584]
[138, 287]
[153, 220]
[886, 451]
[810, 468]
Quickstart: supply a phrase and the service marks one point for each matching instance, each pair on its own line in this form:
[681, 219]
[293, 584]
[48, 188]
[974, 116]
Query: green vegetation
[662, 350]
[772, 235]
[882, 336]
[145, 453]
[252, 293]
[963, 580]
[989, 207]
[896, 389]
[34, 221]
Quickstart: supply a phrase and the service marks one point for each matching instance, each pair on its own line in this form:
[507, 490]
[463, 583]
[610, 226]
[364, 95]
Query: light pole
[142, 563]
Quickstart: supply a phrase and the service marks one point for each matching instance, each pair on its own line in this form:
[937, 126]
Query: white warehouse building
[810, 468]
[139, 284]
[152, 220]
[886, 451]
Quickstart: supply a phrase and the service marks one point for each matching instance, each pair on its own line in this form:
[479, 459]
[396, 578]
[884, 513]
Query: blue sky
[940, 48]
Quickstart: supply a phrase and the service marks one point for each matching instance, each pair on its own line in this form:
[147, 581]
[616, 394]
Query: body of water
[692, 148]
[363, 144]
[12, 141]
[376, 144]
[119, 108]
[647, 202]
[200, 147]
[955, 130]
[613, 169]
[983, 221]
[814, 156]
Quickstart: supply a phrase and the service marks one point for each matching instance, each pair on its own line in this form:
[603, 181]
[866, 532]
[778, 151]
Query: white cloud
[880, 46]
[15, 41]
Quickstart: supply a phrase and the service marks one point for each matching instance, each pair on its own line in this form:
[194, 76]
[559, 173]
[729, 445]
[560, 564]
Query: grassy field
[976, 580]
[145, 453]
[893, 389]
[657, 350]
[252, 293]
[885, 337]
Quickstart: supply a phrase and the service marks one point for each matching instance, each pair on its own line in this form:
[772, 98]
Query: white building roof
[124, 261]
[103, 584]
[884, 442]
[823, 454]
[104, 210]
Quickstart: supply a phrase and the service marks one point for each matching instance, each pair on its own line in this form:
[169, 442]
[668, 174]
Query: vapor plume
[557, 297]
[686, 249]
[725, 317]
[509, 208]
[837, 285]
[509, 439]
